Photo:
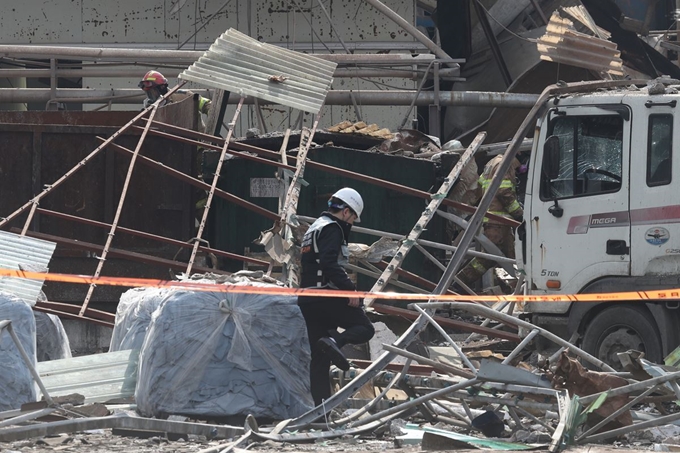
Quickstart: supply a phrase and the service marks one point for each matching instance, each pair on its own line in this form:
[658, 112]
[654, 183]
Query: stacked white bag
[214, 354]
[16, 382]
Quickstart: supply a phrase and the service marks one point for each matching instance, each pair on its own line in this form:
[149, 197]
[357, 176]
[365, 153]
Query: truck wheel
[618, 329]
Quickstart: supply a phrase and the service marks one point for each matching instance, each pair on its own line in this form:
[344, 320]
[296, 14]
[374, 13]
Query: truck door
[580, 217]
[655, 207]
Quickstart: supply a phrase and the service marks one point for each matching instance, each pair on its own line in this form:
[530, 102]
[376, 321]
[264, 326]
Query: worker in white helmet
[324, 251]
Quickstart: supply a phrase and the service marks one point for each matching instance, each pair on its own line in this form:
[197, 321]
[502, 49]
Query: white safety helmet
[452, 145]
[352, 199]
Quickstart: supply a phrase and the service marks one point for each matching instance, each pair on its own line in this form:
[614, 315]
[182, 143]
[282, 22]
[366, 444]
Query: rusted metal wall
[39, 147]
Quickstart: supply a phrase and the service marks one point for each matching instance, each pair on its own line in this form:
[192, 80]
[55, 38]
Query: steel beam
[323, 167]
[117, 253]
[197, 183]
[334, 97]
[154, 237]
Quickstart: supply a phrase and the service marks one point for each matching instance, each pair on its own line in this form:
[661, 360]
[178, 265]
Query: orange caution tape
[669, 294]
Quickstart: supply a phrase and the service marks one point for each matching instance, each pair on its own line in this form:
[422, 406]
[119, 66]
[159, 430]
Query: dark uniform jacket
[324, 250]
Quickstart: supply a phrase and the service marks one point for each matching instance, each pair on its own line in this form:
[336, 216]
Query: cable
[663, 37]
[311, 26]
[211, 17]
[503, 26]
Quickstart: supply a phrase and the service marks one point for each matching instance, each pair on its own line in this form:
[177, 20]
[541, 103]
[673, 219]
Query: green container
[233, 228]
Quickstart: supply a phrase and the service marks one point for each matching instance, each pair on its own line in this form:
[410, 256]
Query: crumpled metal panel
[25, 253]
[243, 65]
[563, 44]
[98, 377]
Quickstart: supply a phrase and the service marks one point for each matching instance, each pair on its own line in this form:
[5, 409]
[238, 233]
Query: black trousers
[323, 317]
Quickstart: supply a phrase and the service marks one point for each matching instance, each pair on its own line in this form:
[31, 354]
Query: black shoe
[328, 347]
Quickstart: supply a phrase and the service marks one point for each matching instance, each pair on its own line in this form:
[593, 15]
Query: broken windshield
[591, 150]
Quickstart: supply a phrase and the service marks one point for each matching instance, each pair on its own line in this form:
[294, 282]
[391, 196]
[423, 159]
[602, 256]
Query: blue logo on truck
[657, 236]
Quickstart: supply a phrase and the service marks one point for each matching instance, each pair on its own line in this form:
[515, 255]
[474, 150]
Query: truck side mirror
[551, 157]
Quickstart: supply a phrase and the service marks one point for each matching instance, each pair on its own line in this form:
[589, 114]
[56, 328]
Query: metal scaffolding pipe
[99, 53]
[408, 27]
[135, 72]
[335, 97]
[138, 55]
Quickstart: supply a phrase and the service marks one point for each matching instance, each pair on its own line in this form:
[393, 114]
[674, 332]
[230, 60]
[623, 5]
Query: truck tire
[620, 328]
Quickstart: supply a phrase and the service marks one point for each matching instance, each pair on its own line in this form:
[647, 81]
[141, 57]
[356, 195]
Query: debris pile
[183, 358]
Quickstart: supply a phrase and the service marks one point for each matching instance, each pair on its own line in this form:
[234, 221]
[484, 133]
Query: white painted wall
[158, 24]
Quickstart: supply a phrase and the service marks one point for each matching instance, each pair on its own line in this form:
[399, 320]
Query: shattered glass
[591, 150]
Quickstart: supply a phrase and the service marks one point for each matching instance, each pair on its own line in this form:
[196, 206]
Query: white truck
[602, 214]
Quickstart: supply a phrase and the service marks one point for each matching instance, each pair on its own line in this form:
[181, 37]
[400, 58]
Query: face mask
[153, 94]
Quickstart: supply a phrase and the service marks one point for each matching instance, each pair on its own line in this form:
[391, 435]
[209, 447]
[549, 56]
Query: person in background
[505, 204]
[155, 85]
[324, 251]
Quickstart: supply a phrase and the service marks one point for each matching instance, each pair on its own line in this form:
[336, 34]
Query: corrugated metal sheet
[25, 253]
[243, 65]
[98, 377]
[563, 44]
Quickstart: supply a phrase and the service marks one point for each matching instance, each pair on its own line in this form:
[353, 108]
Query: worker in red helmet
[155, 85]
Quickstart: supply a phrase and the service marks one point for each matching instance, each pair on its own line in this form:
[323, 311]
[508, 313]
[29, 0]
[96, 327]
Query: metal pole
[173, 72]
[511, 320]
[426, 216]
[334, 97]
[627, 429]
[26, 417]
[425, 361]
[53, 83]
[434, 48]
[6, 324]
[453, 344]
[520, 346]
[80, 165]
[187, 57]
[423, 242]
[417, 401]
[397, 378]
[197, 183]
[330, 22]
[376, 275]
[493, 43]
[98, 54]
[616, 413]
[631, 387]
[489, 246]
[119, 210]
[211, 193]
[153, 237]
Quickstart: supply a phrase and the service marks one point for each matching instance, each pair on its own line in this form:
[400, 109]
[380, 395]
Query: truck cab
[602, 215]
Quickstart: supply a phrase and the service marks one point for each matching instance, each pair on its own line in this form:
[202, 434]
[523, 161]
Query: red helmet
[152, 79]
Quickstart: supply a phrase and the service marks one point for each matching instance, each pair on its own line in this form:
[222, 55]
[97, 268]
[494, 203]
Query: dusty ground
[104, 441]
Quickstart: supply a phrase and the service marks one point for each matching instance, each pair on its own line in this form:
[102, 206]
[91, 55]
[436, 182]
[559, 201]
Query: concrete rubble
[205, 372]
